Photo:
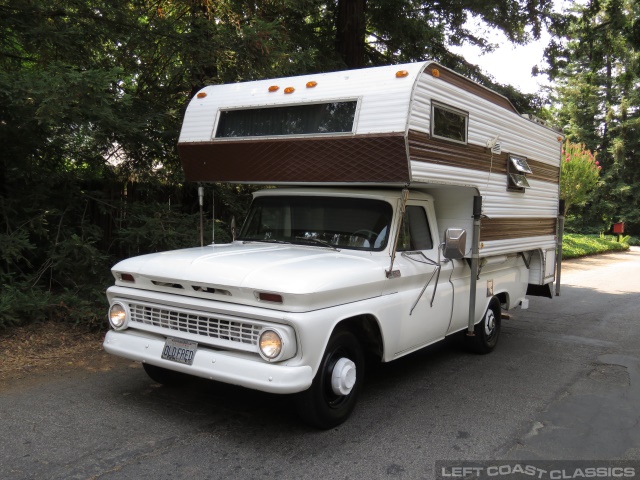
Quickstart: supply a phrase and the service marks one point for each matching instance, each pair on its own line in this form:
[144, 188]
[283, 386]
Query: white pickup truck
[376, 260]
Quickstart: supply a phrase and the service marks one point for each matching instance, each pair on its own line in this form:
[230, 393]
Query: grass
[575, 245]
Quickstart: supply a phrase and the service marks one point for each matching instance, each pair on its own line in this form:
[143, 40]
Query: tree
[579, 175]
[597, 70]
[92, 93]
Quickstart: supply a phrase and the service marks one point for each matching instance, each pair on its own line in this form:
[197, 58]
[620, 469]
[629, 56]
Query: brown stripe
[507, 228]
[423, 148]
[361, 158]
[468, 85]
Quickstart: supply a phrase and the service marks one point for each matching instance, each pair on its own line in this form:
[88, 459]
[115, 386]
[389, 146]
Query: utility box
[618, 228]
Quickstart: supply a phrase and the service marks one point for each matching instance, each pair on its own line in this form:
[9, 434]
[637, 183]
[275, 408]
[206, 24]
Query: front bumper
[216, 365]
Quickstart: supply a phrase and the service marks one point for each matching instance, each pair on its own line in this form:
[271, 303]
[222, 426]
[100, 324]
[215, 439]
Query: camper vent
[517, 170]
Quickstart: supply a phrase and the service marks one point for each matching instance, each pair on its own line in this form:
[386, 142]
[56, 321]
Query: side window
[449, 123]
[414, 231]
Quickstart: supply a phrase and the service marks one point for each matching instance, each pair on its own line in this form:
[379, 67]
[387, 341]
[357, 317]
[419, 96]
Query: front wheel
[486, 332]
[333, 394]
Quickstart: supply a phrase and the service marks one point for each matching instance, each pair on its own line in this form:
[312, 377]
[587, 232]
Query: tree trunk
[350, 32]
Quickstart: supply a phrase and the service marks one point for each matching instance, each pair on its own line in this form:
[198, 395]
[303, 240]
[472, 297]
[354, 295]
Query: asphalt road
[564, 383]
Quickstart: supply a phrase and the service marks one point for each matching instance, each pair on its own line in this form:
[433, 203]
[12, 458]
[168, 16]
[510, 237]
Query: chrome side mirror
[455, 241]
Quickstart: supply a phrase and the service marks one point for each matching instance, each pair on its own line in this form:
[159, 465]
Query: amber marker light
[289, 90]
[201, 95]
[401, 73]
[270, 297]
[274, 88]
[435, 72]
[127, 277]
[311, 84]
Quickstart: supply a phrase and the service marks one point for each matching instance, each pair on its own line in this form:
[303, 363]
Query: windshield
[341, 222]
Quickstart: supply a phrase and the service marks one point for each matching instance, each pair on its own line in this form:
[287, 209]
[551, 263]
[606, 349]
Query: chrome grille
[196, 323]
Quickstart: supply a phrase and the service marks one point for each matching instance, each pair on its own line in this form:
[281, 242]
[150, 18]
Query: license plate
[178, 350]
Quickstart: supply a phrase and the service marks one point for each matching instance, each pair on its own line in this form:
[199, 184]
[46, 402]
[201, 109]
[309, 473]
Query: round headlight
[270, 344]
[117, 316]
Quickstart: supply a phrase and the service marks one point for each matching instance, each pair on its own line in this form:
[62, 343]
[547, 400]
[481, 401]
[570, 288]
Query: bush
[574, 245]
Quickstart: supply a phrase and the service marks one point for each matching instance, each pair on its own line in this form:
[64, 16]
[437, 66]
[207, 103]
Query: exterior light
[311, 84]
[274, 88]
[270, 297]
[270, 344]
[289, 90]
[401, 73]
[118, 316]
[201, 95]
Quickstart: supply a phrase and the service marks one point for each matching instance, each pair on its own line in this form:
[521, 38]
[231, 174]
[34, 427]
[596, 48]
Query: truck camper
[410, 204]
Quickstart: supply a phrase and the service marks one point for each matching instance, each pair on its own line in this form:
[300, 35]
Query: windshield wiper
[318, 241]
[265, 240]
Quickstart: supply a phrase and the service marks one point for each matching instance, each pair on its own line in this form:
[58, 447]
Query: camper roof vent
[535, 119]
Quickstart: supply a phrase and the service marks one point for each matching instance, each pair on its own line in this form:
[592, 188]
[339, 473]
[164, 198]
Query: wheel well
[367, 331]
[503, 298]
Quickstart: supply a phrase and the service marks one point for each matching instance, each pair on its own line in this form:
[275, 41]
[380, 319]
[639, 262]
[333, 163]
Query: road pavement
[564, 383]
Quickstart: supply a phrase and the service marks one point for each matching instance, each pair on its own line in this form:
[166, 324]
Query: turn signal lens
[270, 297]
[311, 84]
[274, 88]
[117, 316]
[401, 73]
[127, 277]
[289, 90]
[270, 344]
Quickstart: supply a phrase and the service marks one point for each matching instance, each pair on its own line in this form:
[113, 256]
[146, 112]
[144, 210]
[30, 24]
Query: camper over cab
[411, 204]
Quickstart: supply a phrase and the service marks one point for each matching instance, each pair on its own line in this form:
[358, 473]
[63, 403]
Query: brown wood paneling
[423, 148]
[360, 158]
[507, 228]
[468, 85]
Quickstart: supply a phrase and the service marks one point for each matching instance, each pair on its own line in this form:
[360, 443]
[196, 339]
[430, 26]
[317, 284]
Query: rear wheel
[487, 332]
[334, 391]
[165, 376]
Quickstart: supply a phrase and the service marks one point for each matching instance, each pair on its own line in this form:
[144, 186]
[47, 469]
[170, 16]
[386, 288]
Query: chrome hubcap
[489, 323]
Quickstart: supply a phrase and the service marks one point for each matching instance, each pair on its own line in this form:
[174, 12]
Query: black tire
[319, 406]
[487, 332]
[165, 376]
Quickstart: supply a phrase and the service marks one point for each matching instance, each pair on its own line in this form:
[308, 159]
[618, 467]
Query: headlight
[117, 316]
[270, 344]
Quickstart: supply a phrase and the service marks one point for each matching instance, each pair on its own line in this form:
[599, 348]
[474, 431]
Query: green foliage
[574, 246]
[579, 174]
[596, 68]
[92, 94]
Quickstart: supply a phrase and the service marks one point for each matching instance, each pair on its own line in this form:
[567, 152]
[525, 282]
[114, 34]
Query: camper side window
[414, 231]
[449, 123]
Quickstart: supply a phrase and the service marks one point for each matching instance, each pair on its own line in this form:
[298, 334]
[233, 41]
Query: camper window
[448, 123]
[309, 119]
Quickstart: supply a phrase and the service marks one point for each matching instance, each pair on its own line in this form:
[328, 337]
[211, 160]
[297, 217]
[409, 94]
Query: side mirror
[233, 229]
[455, 241]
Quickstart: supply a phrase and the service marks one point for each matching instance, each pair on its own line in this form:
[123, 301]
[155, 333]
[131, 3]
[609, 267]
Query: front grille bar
[196, 323]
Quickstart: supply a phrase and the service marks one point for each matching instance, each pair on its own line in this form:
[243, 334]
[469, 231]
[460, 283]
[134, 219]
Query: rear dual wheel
[334, 391]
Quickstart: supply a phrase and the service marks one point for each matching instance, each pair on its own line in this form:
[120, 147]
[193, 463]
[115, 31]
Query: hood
[307, 277]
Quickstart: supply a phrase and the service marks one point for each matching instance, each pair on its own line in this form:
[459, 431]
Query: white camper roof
[383, 107]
